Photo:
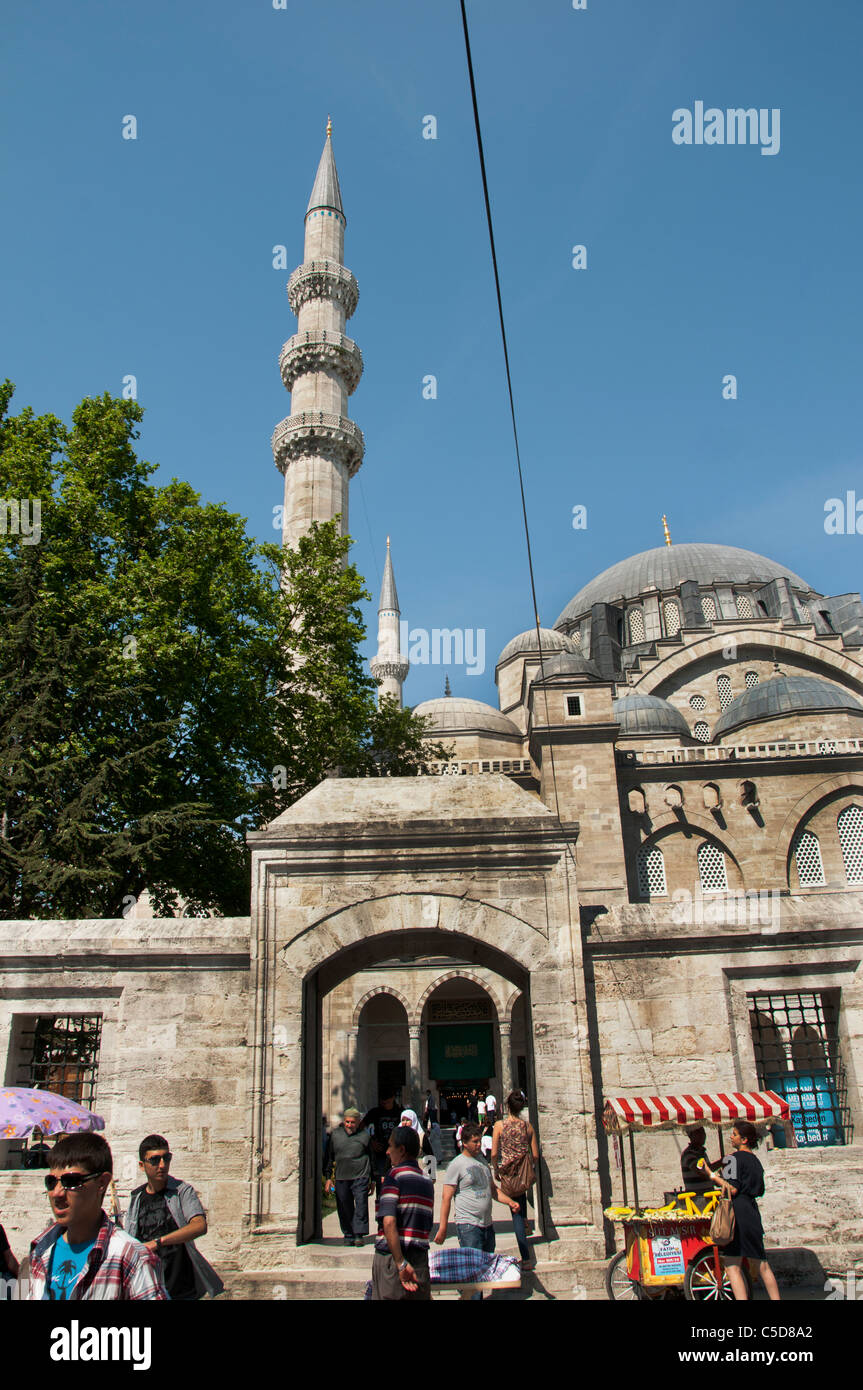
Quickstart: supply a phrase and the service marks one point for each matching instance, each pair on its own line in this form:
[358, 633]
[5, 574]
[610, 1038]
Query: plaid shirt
[117, 1267]
[454, 1264]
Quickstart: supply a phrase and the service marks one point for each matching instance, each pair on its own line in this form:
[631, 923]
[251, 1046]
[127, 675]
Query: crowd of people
[85, 1254]
[395, 1154]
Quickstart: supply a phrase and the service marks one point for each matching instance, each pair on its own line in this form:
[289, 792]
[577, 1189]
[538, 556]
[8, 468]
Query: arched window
[576, 636]
[701, 731]
[744, 605]
[708, 607]
[650, 865]
[751, 679]
[850, 827]
[697, 702]
[636, 625]
[804, 613]
[807, 1049]
[671, 614]
[807, 857]
[723, 690]
[711, 868]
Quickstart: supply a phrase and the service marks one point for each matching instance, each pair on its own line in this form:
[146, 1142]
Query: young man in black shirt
[382, 1119]
[167, 1216]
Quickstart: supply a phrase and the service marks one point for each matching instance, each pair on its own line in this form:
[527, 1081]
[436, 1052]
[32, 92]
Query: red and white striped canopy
[709, 1108]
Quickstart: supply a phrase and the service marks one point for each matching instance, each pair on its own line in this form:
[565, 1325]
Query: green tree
[166, 684]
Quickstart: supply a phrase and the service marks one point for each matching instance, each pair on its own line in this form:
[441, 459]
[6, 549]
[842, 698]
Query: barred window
[61, 1054]
[804, 613]
[744, 605]
[697, 702]
[850, 827]
[701, 731]
[751, 679]
[807, 856]
[576, 636]
[723, 690]
[708, 607]
[650, 865]
[711, 868]
[795, 1036]
[671, 613]
[636, 625]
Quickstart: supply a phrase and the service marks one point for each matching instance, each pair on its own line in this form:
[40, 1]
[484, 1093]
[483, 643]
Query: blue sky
[154, 257]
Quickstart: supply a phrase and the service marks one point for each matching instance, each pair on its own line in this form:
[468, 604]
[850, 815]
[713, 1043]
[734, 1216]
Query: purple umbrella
[23, 1109]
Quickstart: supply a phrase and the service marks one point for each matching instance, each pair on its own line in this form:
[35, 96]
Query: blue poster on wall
[814, 1107]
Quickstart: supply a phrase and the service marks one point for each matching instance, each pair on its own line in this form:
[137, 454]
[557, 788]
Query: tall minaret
[317, 447]
[389, 666]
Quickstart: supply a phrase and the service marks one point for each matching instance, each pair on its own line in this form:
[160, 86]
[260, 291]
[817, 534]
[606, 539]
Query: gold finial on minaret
[329, 127]
[665, 531]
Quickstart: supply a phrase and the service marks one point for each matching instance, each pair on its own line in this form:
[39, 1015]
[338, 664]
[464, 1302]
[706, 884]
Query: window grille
[744, 605]
[576, 636]
[701, 731]
[807, 855]
[723, 690]
[61, 1054]
[850, 827]
[636, 625]
[651, 872]
[796, 1041]
[697, 702]
[671, 613]
[573, 704]
[826, 745]
[752, 679]
[711, 868]
[708, 607]
[804, 613]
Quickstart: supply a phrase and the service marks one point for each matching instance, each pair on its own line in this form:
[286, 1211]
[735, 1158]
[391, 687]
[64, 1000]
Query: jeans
[518, 1220]
[352, 1201]
[476, 1237]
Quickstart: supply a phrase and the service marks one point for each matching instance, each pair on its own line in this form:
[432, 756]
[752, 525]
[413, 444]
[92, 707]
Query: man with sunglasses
[167, 1216]
[83, 1255]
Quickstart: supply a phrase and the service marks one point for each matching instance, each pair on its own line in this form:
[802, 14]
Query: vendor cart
[668, 1248]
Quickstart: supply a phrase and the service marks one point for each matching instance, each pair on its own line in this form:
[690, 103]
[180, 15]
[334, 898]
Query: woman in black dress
[742, 1180]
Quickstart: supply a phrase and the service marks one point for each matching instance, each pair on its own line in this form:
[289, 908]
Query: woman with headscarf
[428, 1162]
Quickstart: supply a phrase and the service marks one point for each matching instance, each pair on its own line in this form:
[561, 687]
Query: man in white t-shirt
[490, 1108]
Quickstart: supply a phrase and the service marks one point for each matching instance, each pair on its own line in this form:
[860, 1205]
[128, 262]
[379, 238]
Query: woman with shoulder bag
[742, 1180]
[514, 1154]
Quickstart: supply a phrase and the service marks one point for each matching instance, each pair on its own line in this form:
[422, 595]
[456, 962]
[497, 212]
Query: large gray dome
[649, 714]
[784, 695]
[450, 714]
[668, 566]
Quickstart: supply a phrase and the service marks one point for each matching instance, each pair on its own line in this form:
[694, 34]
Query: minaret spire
[389, 667]
[317, 447]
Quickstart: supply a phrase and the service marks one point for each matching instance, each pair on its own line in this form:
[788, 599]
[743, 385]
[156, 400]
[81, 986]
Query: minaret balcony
[389, 667]
[323, 280]
[317, 433]
[315, 352]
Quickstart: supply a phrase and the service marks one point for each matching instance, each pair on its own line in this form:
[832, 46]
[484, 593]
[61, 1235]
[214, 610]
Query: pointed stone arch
[802, 811]
[457, 974]
[372, 994]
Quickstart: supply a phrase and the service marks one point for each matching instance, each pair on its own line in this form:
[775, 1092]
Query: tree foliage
[166, 683]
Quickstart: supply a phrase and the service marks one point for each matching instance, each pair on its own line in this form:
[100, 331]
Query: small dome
[526, 642]
[568, 664]
[648, 714]
[451, 714]
[666, 567]
[785, 695]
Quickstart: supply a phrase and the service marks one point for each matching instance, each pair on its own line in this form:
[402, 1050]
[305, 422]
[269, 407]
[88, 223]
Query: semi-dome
[552, 641]
[568, 664]
[450, 714]
[785, 695]
[649, 714]
[666, 567]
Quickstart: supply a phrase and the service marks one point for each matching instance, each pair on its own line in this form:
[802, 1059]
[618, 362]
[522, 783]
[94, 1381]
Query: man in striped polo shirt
[405, 1215]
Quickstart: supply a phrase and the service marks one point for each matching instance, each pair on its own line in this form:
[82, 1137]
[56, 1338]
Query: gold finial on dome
[329, 127]
[665, 530]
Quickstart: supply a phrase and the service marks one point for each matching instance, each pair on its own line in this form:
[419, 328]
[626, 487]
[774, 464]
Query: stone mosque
[641, 874]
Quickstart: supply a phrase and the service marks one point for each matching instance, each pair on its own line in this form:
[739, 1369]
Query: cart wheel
[618, 1285]
[699, 1284]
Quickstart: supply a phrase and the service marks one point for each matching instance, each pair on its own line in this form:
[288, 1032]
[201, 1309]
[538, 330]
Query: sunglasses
[156, 1159]
[70, 1182]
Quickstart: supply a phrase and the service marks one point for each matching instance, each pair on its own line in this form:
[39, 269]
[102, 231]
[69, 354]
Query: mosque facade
[641, 873]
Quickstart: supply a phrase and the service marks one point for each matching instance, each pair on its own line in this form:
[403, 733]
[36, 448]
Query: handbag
[519, 1175]
[722, 1222]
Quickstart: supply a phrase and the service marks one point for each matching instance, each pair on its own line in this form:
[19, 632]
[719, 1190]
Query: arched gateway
[363, 870]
